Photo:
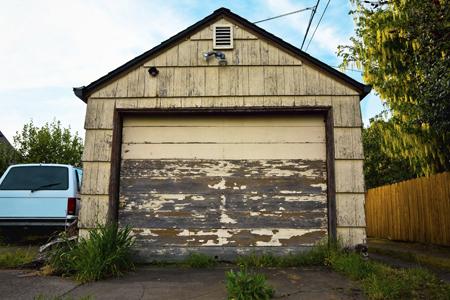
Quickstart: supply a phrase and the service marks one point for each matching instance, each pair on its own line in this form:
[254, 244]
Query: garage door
[226, 184]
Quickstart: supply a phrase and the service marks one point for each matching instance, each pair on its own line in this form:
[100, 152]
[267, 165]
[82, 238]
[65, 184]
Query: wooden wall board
[347, 111]
[205, 120]
[229, 237]
[238, 135]
[96, 178]
[223, 151]
[94, 209]
[99, 114]
[348, 143]
[350, 210]
[351, 236]
[97, 145]
[349, 176]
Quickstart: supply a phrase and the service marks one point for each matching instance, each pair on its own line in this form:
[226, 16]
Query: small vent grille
[223, 37]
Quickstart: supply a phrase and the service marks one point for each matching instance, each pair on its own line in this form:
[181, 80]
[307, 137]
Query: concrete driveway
[316, 282]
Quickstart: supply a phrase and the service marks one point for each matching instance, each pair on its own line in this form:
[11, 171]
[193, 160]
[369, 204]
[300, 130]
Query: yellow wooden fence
[416, 210]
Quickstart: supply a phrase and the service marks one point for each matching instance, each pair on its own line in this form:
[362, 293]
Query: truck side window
[79, 175]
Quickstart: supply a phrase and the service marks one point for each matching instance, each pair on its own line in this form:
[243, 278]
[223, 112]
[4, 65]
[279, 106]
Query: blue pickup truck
[40, 195]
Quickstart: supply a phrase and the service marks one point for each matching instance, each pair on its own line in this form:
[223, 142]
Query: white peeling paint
[219, 186]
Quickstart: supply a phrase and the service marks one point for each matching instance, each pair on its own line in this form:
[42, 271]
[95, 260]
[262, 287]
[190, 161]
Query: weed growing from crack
[244, 285]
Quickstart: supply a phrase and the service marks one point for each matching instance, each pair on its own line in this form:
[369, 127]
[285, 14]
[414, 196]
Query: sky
[50, 46]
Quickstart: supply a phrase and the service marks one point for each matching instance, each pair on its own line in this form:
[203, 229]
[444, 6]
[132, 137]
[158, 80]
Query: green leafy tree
[6, 157]
[381, 169]
[48, 144]
[403, 48]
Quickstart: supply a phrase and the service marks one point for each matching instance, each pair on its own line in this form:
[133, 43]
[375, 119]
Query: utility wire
[291, 13]
[310, 21]
[353, 70]
[317, 25]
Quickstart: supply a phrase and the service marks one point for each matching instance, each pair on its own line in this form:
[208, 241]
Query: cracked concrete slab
[318, 282]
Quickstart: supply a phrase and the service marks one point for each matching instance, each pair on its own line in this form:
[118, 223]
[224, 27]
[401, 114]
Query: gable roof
[4, 140]
[85, 91]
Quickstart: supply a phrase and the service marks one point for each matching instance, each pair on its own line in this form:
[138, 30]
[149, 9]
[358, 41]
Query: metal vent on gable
[223, 36]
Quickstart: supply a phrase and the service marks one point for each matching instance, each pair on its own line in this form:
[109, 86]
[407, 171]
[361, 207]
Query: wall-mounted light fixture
[153, 71]
[219, 55]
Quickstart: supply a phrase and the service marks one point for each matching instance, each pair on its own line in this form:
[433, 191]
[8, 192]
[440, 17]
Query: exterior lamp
[219, 55]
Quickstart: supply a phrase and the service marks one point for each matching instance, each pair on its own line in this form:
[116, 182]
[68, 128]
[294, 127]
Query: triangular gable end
[253, 48]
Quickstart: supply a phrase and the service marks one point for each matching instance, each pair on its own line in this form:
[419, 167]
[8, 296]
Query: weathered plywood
[99, 114]
[266, 120]
[96, 178]
[347, 111]
[350, 210]
[94, 209]
[348, 143]
[349, 176]
[171, 201]
[231, 80]
[223, 151]
[97, 145]
[238, 135]
[351, 236]
[230, 237]
[228, 137]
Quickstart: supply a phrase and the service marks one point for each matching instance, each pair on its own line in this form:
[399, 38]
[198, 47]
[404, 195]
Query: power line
[353, 70]
[291, 13]
[310, 21]
[317, 25]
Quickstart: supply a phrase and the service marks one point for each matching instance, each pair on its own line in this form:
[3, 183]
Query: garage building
[226, 139]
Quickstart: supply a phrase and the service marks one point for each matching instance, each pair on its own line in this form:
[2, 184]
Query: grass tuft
[13, 256]
[319, 254]
[107, 252]
[197, 260]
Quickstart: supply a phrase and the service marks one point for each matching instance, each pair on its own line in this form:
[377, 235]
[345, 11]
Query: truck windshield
[36, 178]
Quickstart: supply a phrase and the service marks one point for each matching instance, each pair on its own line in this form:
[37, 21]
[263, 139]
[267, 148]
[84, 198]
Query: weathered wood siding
[235, 181]
[259, 74]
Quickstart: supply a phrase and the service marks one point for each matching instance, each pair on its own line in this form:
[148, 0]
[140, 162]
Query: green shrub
[107, 252]
[247, 285]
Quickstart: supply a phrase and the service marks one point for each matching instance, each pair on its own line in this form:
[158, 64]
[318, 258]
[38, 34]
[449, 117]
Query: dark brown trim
[114, 179]
[331, 182]
[327, 111]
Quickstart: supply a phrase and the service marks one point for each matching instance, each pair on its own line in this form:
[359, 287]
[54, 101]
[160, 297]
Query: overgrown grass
[379, 281]
[197, 260]
[14, 256]
[318, 254]
[423, 260]
[383, 282]
[106, 253]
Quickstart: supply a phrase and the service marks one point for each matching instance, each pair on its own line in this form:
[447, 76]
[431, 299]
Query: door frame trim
[120, 113]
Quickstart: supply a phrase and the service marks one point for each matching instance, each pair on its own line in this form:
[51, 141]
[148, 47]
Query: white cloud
[50, 46]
